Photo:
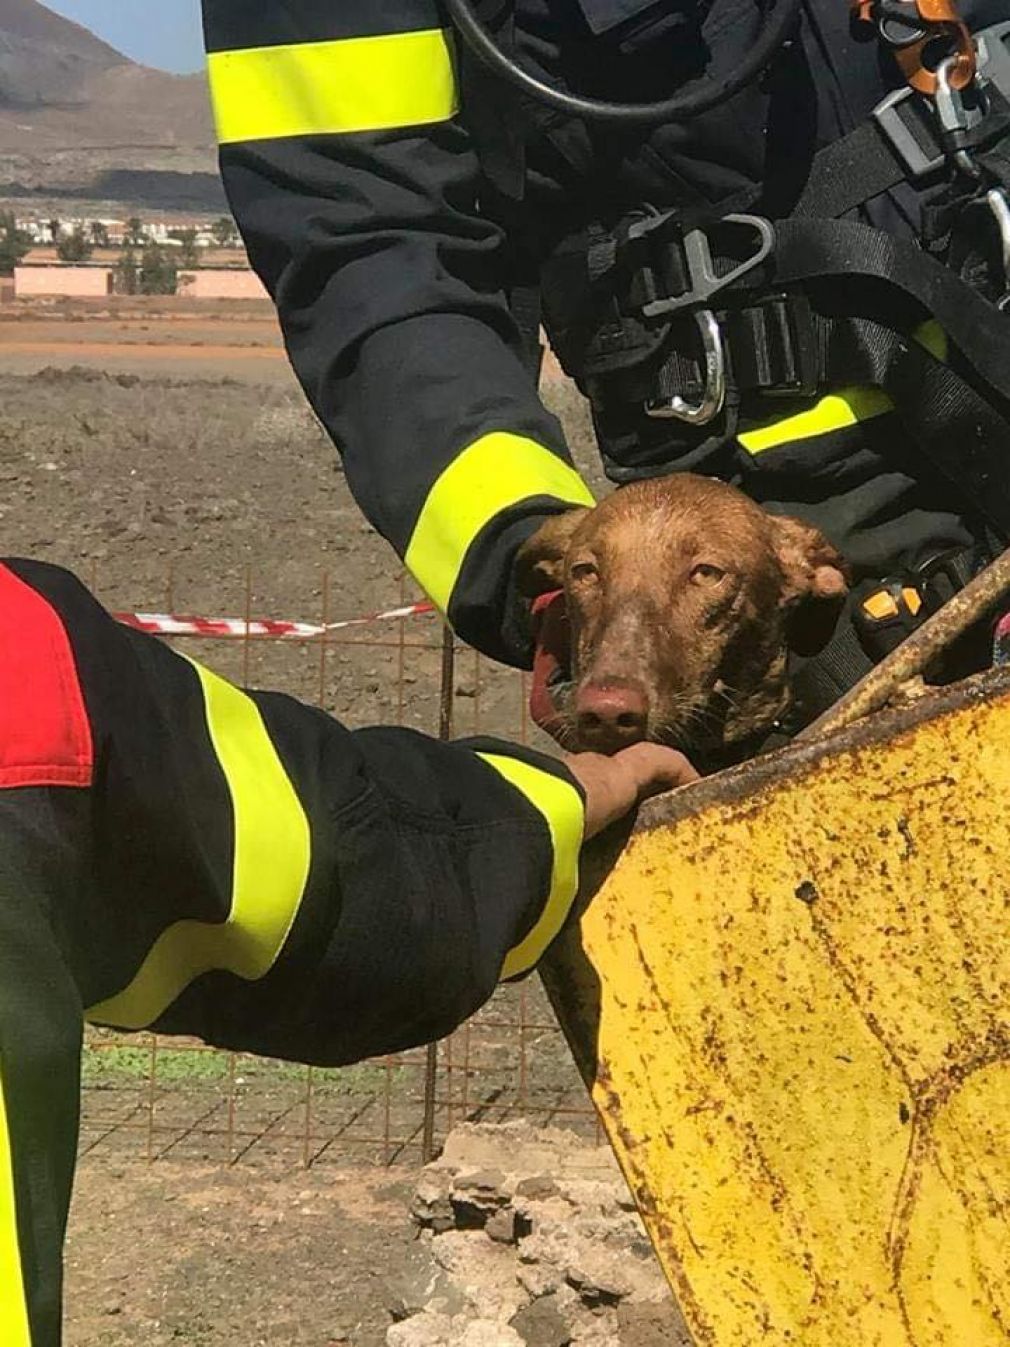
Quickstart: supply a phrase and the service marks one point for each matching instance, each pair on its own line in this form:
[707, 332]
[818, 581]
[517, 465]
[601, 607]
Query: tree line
[143, 267]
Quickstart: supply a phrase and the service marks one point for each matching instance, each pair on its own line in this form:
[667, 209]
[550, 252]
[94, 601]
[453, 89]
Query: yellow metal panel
[795, 1016]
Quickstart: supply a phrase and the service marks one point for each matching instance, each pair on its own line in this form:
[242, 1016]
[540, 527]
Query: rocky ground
[529, 1237]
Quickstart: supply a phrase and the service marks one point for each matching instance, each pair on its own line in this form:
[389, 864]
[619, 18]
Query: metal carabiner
[996, 200]
[676, 408]
[952, 114]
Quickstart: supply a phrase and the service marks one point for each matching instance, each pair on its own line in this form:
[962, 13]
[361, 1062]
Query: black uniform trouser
[40, 1051]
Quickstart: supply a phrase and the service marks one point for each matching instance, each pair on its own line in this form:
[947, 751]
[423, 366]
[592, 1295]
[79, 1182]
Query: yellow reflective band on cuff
[562, 808]
[326, 88]
[15, 1330]
[835, 411]
[269, 870]
[494, 473]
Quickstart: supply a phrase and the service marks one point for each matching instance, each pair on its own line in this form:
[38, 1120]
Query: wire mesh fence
[157, 1097]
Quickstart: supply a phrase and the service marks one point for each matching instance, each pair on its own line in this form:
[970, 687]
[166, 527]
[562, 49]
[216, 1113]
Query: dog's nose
[611, 715]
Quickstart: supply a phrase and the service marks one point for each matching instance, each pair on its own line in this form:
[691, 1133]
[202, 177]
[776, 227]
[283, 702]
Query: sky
[165, 34]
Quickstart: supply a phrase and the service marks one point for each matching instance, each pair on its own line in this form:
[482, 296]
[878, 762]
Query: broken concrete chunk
[598, 1277]
[537, 1187]
[423, 1330]
[485, 1333]
[541, 1324]
[432, 1205]
[656, 1325]
[501, 1226]
[542, 1247]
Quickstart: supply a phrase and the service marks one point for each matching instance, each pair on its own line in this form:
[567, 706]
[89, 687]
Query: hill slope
[77, 118]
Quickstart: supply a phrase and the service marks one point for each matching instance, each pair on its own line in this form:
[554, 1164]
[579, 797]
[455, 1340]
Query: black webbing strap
[849, 172]
[958, 430]
[839, 250]
[524, 305]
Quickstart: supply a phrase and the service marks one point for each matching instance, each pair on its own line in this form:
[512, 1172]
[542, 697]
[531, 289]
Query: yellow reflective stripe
[495, 472]
[270, 867]
[846, 407]
[324, 88]
[834, 411]
[14, 1327]
[562, 808]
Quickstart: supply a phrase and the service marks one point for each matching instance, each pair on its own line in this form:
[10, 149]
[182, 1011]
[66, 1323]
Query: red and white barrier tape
[237, 628]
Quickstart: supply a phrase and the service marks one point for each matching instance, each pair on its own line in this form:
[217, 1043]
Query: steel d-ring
[708, 408]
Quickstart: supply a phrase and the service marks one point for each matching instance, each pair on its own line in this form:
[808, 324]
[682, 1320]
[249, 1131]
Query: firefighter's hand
[614, 785]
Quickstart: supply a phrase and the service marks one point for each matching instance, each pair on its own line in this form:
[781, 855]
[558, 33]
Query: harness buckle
[905, 123]
[910, 125]
[712, 400]
[703, 280]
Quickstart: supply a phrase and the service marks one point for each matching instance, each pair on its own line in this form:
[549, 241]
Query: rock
[598, 1277]
[422, 1285]
[484, 1333]
[483, 1187]
[538, 1279]
[484, 1272]
[533, 1240]
[431, 1206]
[541, 1324]
[537, 1187]
[593, 1332]
[659, 1325]
[501, 1226]
[424, 1330]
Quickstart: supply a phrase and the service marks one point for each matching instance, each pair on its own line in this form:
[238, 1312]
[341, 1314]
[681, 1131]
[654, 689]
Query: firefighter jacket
[390, 192]
[181, 855]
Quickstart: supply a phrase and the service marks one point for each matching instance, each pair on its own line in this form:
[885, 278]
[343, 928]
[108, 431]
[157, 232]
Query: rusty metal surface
[791, 1000]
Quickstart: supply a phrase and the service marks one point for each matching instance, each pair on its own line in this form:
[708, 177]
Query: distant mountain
[79, 119]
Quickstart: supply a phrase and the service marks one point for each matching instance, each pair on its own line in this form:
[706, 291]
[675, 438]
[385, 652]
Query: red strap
[45, 737]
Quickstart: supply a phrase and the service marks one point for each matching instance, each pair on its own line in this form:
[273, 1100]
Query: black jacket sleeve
[354, 183]
[262, 877]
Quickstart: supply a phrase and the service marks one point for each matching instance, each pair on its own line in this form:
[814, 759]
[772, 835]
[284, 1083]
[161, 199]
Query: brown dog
[683, 598]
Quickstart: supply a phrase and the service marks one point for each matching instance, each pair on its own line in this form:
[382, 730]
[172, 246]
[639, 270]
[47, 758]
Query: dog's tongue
[550, 657]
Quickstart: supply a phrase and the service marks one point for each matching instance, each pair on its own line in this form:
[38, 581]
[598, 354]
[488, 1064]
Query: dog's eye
[704, 574]
[584, 570]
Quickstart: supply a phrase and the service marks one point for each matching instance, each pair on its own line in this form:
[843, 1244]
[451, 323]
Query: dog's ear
[816, 579]
[540, 562]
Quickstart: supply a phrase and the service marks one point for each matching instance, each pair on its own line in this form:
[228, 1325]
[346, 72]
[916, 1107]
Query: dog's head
[684, 598]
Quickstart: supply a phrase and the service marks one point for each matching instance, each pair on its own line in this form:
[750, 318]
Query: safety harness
[709, 323]
[695, 321]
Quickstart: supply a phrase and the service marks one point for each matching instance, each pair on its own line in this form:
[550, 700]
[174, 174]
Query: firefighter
[179, 855]
[771, 243]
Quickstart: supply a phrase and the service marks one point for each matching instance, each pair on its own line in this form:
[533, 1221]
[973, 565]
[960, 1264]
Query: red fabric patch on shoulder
[45, 737]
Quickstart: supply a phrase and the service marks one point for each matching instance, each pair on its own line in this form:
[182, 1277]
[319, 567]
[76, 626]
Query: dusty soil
[183, 1255]
[163, 338]
[166, 484]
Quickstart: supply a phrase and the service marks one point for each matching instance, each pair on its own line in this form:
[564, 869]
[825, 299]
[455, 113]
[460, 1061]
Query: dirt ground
[185, 1255]
[166, 455]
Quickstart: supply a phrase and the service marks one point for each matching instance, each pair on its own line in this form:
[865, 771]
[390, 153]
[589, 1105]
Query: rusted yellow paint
[802, 1040]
